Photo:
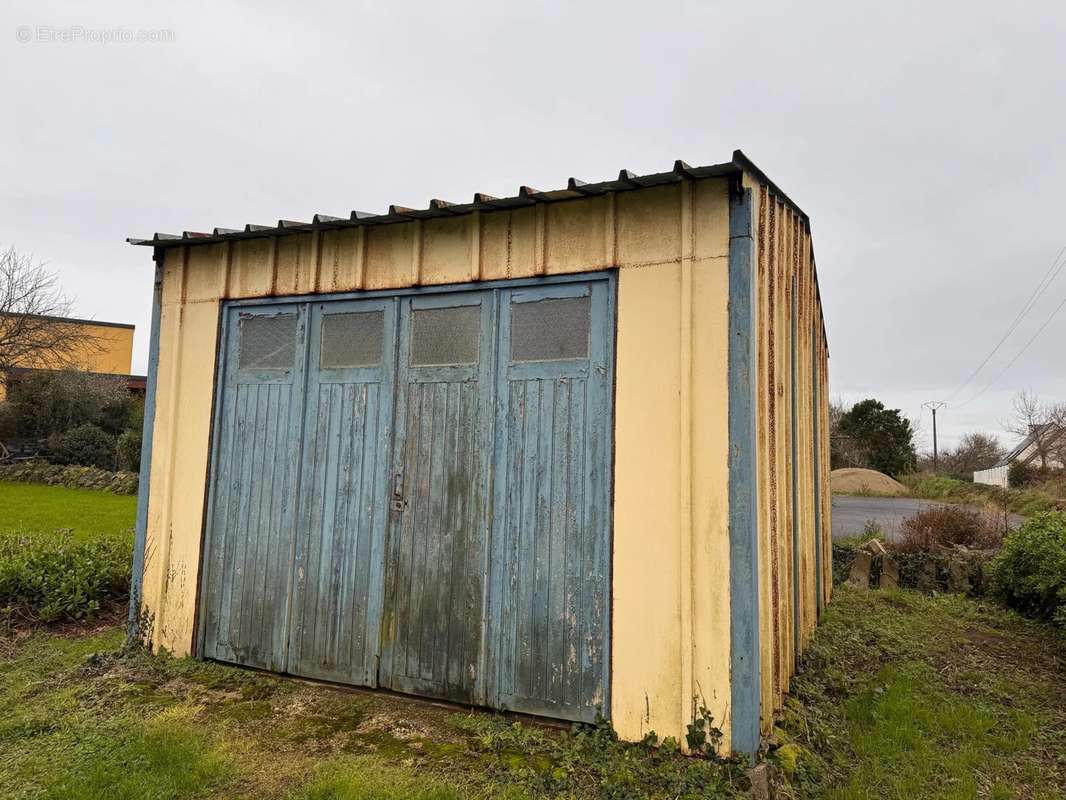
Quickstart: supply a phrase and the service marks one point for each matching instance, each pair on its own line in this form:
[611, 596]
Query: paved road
[850, 514]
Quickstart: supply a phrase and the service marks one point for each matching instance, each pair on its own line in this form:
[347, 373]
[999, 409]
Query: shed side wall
[795, 555]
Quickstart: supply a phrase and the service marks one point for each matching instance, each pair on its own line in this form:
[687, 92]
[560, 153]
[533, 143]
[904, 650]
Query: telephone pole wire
[933, 405]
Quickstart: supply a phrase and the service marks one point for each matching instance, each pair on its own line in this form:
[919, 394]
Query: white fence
[996, 476]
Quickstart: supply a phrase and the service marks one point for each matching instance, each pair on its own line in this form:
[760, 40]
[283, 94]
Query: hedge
[71, 476]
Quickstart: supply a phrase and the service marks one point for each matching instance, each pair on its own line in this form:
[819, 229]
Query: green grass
[28, 507]
[82, 718]
[901, 696]
[908, 696]
[1026, 502]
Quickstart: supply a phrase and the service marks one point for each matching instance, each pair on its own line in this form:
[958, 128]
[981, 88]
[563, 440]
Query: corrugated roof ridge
[526, 196]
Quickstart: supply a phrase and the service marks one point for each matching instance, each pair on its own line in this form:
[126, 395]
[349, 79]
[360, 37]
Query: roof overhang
[527, 196]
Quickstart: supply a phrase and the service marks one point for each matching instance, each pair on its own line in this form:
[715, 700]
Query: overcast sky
[927, 142]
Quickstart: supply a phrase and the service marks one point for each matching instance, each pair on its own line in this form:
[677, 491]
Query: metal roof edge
[527, 196]
[746, 164]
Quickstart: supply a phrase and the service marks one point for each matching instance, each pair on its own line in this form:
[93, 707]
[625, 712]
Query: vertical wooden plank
[557, 645]
[455, 623]
[574, 623]
[260, 527]
[433, 532]
[527, 538]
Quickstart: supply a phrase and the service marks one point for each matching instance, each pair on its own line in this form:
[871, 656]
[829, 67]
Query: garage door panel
[432, 640]
[551, 533]
[249, 551]
[336, 598]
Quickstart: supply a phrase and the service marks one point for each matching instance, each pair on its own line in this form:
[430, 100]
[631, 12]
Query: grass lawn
[30, 507]
[902, 696]
[909, 696]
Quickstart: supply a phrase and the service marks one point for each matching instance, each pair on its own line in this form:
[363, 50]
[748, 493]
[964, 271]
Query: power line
[1038, 292]
[1017, 355]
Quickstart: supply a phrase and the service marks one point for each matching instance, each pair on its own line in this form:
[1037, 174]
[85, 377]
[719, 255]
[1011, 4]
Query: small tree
[844, 450]
[885, 435]
[30, 335]
[975, 451]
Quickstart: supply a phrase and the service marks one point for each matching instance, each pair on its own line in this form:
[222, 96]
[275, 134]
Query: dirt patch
[870, 482]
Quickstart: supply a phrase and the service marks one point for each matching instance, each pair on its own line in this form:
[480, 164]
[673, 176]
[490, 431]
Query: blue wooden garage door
[551, 533]
[415, 491]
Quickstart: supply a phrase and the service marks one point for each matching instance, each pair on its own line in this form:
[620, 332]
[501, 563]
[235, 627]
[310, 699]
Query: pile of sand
[865, 481]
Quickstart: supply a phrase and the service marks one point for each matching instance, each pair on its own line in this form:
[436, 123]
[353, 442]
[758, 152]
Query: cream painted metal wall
[670, 635]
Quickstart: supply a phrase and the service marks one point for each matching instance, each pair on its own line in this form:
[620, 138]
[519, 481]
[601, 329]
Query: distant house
[108, 351]
[1042, 448]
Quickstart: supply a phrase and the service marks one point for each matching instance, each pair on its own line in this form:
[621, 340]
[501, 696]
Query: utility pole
[933, 405]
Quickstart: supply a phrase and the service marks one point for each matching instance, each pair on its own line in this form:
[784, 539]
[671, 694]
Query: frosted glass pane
[445, 336]
[268, 342]
[352, 340]
[550, 330]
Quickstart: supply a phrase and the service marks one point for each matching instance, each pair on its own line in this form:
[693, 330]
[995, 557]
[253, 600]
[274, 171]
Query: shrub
[940, 527]
[1029, 574]
[75, 477]
[55, 578]
[129, 451]
[40, 404]
[1019, 475]
[86, 445]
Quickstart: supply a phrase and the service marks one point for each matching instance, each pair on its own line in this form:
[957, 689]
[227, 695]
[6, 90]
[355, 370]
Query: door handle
[397, 492]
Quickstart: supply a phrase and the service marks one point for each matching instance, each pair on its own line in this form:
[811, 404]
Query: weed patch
[906, 695]
[55, 577]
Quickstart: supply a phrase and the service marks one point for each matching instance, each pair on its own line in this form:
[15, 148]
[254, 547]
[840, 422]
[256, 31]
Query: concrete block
[860, 570]
[889, 573]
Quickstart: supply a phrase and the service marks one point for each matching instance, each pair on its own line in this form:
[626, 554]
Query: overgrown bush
[1019, 475]
[86, 445]
[1029, 574]
[129, 451]
[41, 404]
[945, 526]
[53, 577]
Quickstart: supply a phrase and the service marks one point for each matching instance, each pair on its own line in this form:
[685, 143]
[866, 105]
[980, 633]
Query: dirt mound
[864, 481]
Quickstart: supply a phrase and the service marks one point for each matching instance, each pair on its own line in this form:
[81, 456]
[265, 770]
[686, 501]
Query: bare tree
[975, 451]
[1045, 422]
[30, 334]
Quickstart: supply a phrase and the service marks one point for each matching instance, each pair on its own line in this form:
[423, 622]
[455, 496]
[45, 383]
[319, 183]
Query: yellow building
[105, 347]
[562, 453]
